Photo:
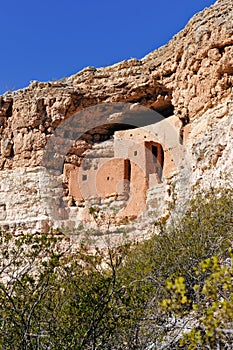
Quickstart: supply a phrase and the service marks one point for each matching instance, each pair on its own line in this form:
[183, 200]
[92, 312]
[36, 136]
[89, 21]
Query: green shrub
[55, 297]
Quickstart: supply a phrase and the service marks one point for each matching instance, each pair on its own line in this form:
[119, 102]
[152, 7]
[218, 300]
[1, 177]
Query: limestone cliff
[190, 78]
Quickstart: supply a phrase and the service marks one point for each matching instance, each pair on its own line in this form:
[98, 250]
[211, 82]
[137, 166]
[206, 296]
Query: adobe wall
[112, 177]
[104, 181]
[131, 171]
[166, 133]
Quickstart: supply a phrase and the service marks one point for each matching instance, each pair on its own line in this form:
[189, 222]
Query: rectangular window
[155, 153]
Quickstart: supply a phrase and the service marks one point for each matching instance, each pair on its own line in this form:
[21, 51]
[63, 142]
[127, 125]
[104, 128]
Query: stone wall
[190, 79]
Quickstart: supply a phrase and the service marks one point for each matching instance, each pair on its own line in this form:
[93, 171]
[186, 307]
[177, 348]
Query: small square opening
[84, 177]
[135, 153]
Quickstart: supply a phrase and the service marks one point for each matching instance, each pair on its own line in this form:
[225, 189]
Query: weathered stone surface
[190, 74]
[190, 78]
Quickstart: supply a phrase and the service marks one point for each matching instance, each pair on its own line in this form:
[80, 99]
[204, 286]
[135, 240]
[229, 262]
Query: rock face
[189, 79]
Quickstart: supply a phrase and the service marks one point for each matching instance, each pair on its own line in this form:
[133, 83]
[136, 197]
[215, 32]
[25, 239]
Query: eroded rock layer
[190, 78]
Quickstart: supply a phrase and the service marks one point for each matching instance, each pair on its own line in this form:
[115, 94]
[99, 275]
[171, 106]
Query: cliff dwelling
[122, 164]
[58, 146]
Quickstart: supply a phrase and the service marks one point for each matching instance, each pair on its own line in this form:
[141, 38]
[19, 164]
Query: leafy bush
[205, 230]
[53, 296]
[213, 309]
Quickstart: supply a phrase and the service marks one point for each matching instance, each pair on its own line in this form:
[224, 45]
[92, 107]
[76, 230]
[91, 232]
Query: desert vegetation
[173, 291]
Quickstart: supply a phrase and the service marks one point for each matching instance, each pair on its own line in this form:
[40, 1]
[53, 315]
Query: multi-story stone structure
[142, 158]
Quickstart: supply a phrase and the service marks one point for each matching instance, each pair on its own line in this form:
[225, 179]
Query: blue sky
[47, 39]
